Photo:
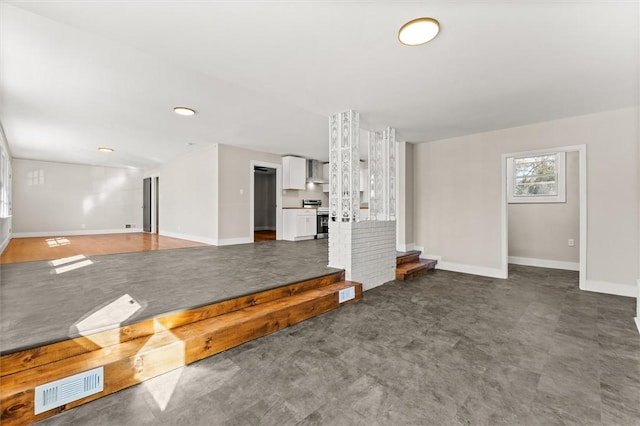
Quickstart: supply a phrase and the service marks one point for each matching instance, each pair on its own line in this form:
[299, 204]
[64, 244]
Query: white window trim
[561, 197]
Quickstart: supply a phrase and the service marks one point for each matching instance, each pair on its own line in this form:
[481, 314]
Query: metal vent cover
[55, 394]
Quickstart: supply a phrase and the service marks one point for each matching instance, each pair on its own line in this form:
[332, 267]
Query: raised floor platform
[122, 357]
[43, 303]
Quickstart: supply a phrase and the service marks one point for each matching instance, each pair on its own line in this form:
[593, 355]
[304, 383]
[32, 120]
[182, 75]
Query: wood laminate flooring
[49, 248]
[260, 236]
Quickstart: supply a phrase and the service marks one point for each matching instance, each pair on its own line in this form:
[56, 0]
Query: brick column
[364, 249]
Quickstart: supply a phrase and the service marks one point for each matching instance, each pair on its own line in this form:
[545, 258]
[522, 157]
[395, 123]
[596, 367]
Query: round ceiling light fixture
[105, 149]
[180, 110]
[418, 31]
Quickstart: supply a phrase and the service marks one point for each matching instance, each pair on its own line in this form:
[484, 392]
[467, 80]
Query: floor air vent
[69, 389]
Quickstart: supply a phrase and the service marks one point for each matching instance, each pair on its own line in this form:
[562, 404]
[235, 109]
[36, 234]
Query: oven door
[322, 225]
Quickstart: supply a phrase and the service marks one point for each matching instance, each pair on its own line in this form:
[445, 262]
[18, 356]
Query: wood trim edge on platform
[134, 361]
[34, 357]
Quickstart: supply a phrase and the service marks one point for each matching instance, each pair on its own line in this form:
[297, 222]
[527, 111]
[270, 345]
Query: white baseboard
[403, 248]
[616, 289]
[544, 263]
[74, 232]
[470, 269]
[234, 241]
[5, 243]
[188, 237]
[460, 267]
[431, 256]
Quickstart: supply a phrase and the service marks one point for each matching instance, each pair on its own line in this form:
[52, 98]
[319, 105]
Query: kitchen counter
[299, 208]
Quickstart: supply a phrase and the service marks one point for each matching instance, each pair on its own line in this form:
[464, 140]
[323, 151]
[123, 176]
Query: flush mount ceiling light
[105, 149]
[418, 31]
[183, 111]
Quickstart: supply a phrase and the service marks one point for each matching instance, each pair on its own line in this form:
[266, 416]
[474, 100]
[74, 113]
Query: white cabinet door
[293, 172]
[299, 224]
[312, 228]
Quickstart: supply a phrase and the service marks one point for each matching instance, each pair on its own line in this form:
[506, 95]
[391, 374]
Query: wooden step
[138, 359]
[412, 256]
[33, 357]
[408, 270]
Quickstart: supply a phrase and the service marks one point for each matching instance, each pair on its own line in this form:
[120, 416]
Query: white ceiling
[266, 74]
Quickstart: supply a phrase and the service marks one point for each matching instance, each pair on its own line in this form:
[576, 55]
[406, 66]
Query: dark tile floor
[443, 349]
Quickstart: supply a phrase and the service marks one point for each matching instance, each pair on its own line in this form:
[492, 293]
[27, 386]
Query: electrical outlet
[572, 242]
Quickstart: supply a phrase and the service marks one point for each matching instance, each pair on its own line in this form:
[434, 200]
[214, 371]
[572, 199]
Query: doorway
[264, 204]
[146, 204]
[151, 204]
[265, 201]
[577, 188]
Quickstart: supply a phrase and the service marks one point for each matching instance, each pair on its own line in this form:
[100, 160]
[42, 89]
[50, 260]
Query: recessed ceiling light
[419, 31]
[184, 111]
[105, 149]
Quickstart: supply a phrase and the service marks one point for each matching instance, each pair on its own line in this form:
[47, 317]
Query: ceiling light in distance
[418, 31]
[184, 111]
[105, 149]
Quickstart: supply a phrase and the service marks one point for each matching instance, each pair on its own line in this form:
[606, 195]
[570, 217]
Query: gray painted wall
[458, 187]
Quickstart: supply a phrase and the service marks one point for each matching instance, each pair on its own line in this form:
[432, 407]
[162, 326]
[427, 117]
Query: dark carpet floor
[39, 306]
[443, 349]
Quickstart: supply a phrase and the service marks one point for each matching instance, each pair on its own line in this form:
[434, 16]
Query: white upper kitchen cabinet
[294, 171]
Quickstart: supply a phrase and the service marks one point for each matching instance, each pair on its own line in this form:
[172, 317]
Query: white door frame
[278, 167]
[582, 153]
[154, 203]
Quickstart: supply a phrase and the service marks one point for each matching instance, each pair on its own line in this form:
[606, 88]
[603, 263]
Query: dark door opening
[264, 204]
[146, 205]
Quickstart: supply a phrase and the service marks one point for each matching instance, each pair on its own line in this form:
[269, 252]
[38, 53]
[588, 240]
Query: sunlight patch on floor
[56, 242]
[108, 317]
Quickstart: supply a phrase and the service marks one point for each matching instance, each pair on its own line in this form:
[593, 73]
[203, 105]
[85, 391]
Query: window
[5, 185]
[537, 178]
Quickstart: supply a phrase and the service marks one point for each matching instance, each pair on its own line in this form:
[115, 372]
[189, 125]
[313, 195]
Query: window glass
[538, 178]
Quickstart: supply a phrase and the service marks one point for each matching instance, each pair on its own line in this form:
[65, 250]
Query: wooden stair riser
[30, 358]
[414, 257]
[410, 270]
[137, 360]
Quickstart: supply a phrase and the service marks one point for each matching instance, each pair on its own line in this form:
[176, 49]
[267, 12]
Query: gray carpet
[443, 349]
[39, 306]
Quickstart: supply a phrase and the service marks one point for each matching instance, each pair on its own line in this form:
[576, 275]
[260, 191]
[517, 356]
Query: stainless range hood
[314, 172]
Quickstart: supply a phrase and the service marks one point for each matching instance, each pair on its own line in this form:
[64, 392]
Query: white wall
[235, 172]
[457, 194]
[5, 222]
[204, 196]
[540, 231]
[57, 198]
[188, 199]
[405, 198]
